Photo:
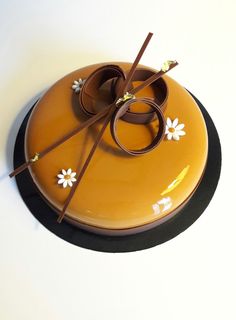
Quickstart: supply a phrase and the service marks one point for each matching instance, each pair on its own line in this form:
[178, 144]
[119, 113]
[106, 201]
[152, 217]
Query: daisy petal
[70, 183]
[167, 130]
[63, 171]
[69, 171]
[181, 133]
[61, 181]
[180, 126]
[74, 86]
[61, 176]
[76, 82]
[168, 122]
[65, 184]
[73, 174]
[169, 136]
[175, 136]
[175, 122]
[73, 179]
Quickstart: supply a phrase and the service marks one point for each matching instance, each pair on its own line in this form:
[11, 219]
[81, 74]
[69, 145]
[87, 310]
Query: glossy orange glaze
[118, 191]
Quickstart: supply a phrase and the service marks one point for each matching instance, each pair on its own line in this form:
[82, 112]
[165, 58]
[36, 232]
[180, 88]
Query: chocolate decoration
[161, 96]
[89, 93]
[82, 171]
[123, 109]
[56, 144]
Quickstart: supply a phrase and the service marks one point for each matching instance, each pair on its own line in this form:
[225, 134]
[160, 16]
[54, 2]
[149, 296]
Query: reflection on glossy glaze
[176, 181]
[118, 191]
[162, 205]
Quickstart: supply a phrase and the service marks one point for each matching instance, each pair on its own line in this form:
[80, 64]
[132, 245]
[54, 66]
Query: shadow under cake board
[144, 240]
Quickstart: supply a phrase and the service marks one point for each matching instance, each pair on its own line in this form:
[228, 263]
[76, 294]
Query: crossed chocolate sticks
[112, 113]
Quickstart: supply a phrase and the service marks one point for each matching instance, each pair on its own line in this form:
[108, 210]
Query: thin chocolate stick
[96, 143]
[20, 169]
[107, 120]
[153, 78]
[134, 65]
[41, 154]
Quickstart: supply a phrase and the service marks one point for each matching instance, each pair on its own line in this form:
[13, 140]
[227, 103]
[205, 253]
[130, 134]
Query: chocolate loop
[160, 91]
[113, 77]
[91, 98]
[119, 113]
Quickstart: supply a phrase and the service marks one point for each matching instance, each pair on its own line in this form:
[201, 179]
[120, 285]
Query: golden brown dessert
[118, 192]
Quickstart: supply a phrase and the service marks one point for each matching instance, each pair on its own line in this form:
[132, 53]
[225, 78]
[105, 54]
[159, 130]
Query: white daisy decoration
[174, 130]
[77, 85]
[66, 178]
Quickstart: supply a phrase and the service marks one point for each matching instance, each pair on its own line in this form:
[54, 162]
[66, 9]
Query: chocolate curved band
[114, 77]
[123, 110]
[89, 90]
[161, 96]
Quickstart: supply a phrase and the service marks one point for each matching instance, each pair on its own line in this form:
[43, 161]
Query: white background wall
[189, 277]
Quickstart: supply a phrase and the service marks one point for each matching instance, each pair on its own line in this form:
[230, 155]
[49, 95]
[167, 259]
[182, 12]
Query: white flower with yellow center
[77, 85]
[174, 130]
[66, 177]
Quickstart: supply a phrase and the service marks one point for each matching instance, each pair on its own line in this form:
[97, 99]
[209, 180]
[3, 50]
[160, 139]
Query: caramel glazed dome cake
[149, 160]
[116, 148]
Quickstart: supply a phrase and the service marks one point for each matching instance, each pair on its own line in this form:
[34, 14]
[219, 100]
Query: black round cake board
[147, 239]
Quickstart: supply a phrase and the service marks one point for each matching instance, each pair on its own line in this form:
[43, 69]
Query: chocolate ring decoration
[156, 110]
[90, 95]
[114, 76]
[161, 96]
